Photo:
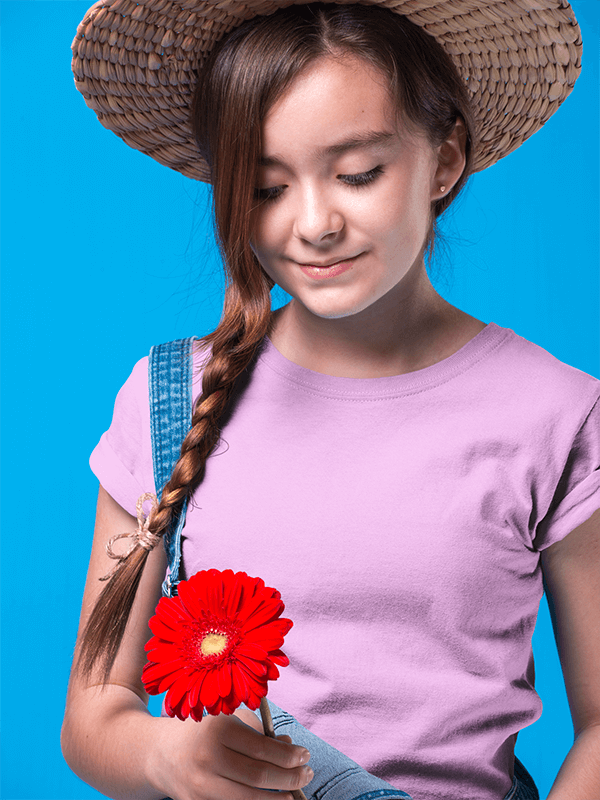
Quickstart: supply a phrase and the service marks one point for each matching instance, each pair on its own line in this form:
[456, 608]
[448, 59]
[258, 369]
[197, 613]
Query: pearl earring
[442, 188]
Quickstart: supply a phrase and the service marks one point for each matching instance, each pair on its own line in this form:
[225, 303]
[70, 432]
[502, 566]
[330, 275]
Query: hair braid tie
[142, 537]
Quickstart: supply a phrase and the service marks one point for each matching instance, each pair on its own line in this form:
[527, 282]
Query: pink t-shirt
[402, 520]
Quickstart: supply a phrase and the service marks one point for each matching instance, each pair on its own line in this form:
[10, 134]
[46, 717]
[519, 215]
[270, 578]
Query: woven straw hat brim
[135, 64]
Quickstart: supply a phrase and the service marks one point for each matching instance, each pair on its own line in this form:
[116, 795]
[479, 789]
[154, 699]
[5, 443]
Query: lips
[329, 263]
[331, 270]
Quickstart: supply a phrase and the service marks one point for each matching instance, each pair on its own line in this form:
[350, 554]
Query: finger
[245, 740]
[222, 787]
[263, 774]
[285, 738]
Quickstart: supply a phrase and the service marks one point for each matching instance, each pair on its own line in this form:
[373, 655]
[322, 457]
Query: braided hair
[243, 76]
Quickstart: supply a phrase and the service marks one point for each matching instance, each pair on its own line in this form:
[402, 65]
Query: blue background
[106, 252]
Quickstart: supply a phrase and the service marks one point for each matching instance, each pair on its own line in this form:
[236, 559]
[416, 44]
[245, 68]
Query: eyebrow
[357, 142]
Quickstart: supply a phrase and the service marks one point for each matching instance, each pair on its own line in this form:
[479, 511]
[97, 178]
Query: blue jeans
[523, 786]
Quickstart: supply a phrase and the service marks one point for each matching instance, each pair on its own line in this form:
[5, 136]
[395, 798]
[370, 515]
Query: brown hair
[241, 79]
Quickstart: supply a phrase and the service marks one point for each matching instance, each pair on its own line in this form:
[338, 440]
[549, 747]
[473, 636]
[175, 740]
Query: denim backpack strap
[170, 376]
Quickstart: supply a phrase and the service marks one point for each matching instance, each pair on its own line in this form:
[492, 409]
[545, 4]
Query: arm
[110, 739]
[571, 570]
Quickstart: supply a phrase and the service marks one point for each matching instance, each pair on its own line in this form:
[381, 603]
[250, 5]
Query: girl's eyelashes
[268, 194]
[363, 177]
[358, 180]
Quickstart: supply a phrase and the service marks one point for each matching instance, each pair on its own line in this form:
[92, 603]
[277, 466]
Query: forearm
[579, 775]
[108, 739]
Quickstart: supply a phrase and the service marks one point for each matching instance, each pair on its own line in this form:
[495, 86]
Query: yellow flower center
[213, 644]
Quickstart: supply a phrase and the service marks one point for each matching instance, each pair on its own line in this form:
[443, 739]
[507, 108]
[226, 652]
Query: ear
[451, 161]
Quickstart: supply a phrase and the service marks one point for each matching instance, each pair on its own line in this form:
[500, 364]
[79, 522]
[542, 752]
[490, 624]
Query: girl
[409, 477]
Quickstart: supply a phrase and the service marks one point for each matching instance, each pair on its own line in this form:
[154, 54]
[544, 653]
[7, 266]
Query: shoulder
[139, 373]
[137, 384]
[132, 397]
[547, 381]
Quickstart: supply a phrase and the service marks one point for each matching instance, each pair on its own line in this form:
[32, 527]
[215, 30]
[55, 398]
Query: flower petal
[279, 657]
[233, 600]
[229, 704]
[224, 679]
[162, 651]
[251, 650]
[160, 629]
[215, 591]
[199, 586]
[185, 707]
[255, 683]
[269, 636]
[160, 685]
[209, 693]
[190, 599]
[173, 710]
[257, 692]
[215, 709]
[169, 609]
[153, 671]
[239, 682]
[196, 687]
[272, 671]
[259, 600]
[178, 690]
[256, 667]
[263, 615]
[170, 680]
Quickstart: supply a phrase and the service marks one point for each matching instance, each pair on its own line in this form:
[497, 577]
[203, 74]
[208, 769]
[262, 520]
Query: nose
[317, 220]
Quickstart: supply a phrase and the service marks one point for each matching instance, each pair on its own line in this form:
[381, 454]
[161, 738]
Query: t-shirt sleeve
[577, 494]
[122, 459]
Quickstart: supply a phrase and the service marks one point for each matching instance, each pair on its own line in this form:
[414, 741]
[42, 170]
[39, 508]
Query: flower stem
[267, 721]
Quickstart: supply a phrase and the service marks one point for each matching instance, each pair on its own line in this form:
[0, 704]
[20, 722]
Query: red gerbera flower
[216, 644]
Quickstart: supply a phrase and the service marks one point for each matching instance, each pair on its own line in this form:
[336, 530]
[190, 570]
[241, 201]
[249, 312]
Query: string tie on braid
[142, 537]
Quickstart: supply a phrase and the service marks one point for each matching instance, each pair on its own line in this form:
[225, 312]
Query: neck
[409, 328]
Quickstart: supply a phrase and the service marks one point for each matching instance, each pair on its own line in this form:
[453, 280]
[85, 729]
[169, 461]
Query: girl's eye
[268, 194]
[361, 179]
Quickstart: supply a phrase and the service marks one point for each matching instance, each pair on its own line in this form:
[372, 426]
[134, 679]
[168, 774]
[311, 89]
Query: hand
[225, 758]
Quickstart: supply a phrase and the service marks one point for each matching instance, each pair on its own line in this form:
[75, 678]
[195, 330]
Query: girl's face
[344, 181]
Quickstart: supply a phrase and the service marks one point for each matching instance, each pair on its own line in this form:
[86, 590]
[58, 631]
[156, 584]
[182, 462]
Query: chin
[334, 312]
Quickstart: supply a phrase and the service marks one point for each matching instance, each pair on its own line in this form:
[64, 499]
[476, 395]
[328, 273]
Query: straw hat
[135, 62]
